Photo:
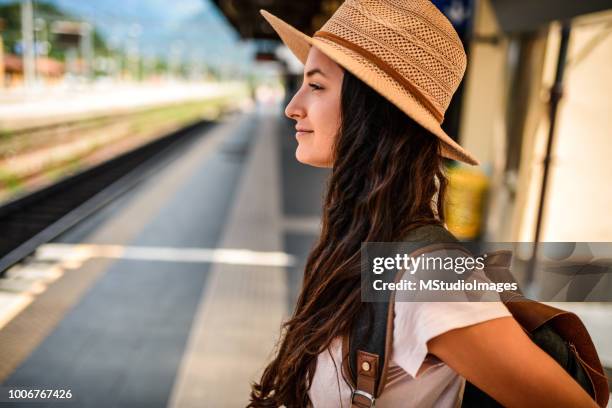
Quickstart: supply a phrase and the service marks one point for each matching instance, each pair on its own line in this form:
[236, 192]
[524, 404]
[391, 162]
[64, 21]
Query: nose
[293, 110]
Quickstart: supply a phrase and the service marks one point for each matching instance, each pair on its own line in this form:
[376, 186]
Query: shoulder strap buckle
[365, 390]
[360, 402]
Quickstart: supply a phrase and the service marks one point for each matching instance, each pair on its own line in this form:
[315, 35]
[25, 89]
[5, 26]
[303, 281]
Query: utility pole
[87, 49]
[134, 51]
[27, 42]
[1, 55]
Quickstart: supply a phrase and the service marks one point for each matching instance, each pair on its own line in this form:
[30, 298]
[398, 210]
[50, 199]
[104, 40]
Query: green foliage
[9, 180]
[11, 34]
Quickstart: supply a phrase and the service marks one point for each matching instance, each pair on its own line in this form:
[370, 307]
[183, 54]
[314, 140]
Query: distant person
[378, 78]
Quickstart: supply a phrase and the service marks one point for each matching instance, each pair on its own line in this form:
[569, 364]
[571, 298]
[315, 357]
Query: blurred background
[154, 222]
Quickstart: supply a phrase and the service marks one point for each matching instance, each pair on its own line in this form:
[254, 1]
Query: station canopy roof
[305, 15]
[528, 15]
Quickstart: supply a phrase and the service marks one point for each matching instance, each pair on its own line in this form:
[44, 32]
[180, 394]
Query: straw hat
[407, 51]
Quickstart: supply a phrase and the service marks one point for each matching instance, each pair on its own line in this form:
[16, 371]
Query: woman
[376, 124]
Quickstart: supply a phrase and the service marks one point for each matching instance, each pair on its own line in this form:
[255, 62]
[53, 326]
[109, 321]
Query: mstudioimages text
[440, 285]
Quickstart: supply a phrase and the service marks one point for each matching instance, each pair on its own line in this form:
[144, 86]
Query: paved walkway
[238, 319]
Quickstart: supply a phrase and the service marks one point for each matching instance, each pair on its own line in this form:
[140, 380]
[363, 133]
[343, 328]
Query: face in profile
[316, 109]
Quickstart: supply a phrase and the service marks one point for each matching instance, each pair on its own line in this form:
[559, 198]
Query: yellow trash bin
[465, 202]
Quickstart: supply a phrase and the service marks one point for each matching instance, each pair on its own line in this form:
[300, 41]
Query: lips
[302, 132]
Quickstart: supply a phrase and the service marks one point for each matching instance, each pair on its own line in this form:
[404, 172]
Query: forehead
[317, 59]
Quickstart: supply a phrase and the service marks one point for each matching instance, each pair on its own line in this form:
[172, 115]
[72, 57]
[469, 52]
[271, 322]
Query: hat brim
[300, 43]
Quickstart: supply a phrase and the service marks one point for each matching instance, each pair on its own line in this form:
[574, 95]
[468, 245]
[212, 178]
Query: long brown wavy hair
[387, 169]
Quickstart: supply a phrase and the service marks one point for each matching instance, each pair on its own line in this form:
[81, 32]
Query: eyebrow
[314, 71]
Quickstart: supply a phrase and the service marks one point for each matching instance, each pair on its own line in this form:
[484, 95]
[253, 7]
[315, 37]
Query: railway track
[32, 220]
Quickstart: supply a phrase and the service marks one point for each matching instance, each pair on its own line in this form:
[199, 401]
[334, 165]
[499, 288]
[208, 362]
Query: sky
[186, 29]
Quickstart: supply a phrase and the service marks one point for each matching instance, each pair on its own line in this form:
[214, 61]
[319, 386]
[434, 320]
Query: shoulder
[434, 232]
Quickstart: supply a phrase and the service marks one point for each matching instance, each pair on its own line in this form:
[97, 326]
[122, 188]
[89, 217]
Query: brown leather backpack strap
[366, 371]
[367, 367]
[531, 314]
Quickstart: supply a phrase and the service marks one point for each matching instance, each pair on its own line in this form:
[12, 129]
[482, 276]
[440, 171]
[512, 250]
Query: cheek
[327, 120]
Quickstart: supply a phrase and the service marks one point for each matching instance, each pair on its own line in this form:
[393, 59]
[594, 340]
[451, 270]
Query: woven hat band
[379, 63]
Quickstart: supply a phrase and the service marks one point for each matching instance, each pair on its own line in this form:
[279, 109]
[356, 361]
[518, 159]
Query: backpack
[559, 333]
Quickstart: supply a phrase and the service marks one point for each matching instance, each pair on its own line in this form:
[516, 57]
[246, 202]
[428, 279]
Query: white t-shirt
[415, 378]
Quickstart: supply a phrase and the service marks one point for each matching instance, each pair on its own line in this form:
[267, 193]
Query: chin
[310, 160]
[303, 158]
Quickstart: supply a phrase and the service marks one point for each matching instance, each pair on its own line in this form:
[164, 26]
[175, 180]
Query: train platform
[50, 106]
[173, 294]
